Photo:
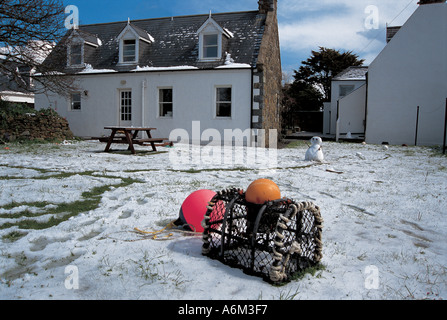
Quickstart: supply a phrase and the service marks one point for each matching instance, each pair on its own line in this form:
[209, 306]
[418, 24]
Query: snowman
[315, 153]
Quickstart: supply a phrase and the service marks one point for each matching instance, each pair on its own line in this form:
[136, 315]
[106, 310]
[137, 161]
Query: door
[125, 107]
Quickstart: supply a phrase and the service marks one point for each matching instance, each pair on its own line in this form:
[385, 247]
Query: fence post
[417, 125]
[445, 127]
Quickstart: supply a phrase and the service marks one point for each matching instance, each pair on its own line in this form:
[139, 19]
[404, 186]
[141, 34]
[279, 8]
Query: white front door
[125, 107]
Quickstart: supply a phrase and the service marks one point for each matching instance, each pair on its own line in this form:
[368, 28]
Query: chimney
[391, 32]
[421, 2]
[267, 5]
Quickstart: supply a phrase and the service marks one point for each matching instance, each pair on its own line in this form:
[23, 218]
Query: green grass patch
[14, 236]
[302, 273]
[138, 152]
[56, 175]
[59, 212]
[298, 144]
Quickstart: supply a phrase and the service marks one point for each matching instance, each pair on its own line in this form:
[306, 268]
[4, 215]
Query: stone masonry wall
[34, 127]
[269, 72]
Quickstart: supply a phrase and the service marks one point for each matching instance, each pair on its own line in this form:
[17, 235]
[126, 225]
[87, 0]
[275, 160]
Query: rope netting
[275, 240]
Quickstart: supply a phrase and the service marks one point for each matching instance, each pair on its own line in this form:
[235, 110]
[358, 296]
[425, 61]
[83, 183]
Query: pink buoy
[194, 208]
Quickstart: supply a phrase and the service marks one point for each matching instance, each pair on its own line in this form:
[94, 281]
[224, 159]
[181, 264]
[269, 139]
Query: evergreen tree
[318, 70]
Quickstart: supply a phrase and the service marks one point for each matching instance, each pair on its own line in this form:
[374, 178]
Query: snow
[89, 69]
[384, 233]
[352, 73]
[231, 34]
[147, 68]
[229, 63]
[151, 38]
[50, 73]
[35, 51]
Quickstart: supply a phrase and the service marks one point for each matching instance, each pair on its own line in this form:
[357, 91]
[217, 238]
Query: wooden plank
[128, 135]
[149, 140]
[129, 128]
[115, 140]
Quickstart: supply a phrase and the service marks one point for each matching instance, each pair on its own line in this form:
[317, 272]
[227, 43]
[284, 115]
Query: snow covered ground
[384, 234]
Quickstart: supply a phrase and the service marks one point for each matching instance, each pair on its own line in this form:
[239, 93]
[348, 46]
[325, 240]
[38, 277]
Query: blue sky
[304, 25]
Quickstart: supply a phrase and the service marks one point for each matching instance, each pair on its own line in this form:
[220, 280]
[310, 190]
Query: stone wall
[269, 72]
[34, 127]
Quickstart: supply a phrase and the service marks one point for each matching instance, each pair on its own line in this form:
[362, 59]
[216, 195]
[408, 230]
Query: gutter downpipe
[337, 122]
[143, 87]
[251, 107]
[366, 105]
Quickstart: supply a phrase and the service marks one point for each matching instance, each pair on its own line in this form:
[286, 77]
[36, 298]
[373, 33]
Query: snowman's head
[316, 141]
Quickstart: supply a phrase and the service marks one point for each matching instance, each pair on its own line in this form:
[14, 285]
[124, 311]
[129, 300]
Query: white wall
[193, 100]
[411, 71]
[352, 112]
[335, 96]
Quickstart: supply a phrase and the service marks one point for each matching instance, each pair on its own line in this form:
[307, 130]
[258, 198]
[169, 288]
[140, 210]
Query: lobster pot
[274, 241]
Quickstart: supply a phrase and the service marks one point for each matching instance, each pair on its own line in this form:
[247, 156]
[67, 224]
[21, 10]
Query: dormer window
[75, 54]
[77, 41]
[210, 40]
[129, 50]
[210, 46]
[130, 42]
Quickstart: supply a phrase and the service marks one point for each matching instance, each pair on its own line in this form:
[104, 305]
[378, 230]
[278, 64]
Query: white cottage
[347, 108]
[401, 97]
[213, 75]
[411, 72]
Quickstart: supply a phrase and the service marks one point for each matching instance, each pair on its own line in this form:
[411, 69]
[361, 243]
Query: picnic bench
[129, 136]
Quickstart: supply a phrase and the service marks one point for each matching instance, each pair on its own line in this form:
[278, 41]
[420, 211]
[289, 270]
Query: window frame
[207, 46]
[162, 104]
[346, 88]
[202, 46]
[127, 113]
[70, 55]
[124, 56]
[127, 37]
[72, 102]
[219, 102]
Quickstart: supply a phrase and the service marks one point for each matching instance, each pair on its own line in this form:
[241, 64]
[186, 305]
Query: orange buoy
[261, 191]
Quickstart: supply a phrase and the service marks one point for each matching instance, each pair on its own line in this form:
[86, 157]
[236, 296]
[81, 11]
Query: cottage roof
[87, 37]
[175, 42]
[352, 73]
[142, 34]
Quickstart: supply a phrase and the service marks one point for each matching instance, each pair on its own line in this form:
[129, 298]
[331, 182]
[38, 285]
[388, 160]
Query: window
[345, 90]
[165, 102]
[210, 46]
[75, 55]
[211, 37]
[223, 102]
[75, 101]
[126, 105]
[129, 50]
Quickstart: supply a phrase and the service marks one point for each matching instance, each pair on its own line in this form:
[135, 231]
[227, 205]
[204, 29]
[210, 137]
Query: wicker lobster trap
[274, 240]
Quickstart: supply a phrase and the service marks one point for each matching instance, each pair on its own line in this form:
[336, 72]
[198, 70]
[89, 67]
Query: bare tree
[29, 31]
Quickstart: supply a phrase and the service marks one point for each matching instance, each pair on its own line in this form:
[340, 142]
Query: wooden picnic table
[129, 136]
